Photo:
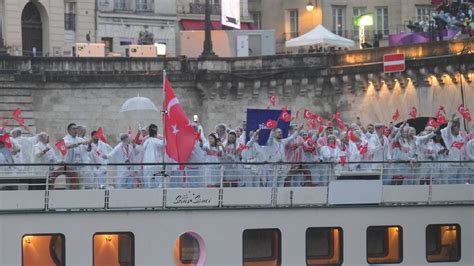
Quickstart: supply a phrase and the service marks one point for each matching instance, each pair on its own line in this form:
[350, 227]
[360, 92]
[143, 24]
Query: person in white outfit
[276, 153]
[124, 153]
[43, 153]
[97, 149]
[76, 154]
[452, 136]
[153, 150]
[253, 174]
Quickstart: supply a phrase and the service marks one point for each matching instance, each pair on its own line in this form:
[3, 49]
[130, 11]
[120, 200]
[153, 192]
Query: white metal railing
[284, 182]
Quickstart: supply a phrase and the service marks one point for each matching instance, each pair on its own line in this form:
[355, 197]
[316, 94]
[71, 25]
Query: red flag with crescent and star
[465, 113]
[179, 134]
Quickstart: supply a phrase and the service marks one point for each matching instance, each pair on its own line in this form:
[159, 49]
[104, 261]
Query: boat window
[443, 242]
[262, 247]
[190, 250]
[384, 244]
[43, 249]
[324, 246]
[114, 249]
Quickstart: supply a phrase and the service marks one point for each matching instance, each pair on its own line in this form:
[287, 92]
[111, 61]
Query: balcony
[199, 8]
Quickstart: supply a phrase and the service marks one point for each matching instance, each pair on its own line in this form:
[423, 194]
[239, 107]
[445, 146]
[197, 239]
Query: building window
[443, 242]
[384, 244]
[381, 23]
[43, 249]
[109, 44]
[70, 16]
[114, 249]
[357, 11]
[122, 5]
[257, 19]
[338, 20]
[324, 246]
[144, 5]
[293, 22]
[423, 13]
[262, 245]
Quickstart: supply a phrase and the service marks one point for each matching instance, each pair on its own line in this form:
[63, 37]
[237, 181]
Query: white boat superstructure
[347, 218]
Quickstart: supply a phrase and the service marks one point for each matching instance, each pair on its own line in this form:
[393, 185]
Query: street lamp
[310, 6]
[207, 51]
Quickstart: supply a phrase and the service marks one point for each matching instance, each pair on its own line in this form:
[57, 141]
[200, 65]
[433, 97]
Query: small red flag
[16, 117]
[308, 114]
[465, 113]
[273, 100]
[336, 115]
[340, 124]
[432, 123]
[285, 116]
[320, 119]
[100, 135]
[396, 116]
[61, 145]
[441, 119]
[321, 129]
[363, 149]
[271, 124]
[458, 144]
[343, 160]
[6, 140]
[242, 147]
[413, 112]
[197, 135]
[350, 135]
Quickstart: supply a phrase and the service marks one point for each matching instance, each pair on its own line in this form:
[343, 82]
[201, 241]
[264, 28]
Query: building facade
[47, 28]
[291, 18]
[120, 23]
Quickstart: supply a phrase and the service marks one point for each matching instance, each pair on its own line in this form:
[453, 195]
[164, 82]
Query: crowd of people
[307, 157]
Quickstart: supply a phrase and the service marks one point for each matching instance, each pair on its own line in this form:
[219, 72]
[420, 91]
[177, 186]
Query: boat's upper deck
[217, 186]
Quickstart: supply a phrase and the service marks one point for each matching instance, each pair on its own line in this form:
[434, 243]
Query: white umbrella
[320, 36]
[138, 104]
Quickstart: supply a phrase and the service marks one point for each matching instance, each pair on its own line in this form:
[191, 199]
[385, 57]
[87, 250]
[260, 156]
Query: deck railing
[219, 185]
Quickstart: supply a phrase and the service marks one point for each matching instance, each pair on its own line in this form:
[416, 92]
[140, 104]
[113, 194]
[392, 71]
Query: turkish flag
[432, 123]
[285, 116]
[465, 113]
[308, 114]
[272, 100]
[441, 119]
[271, 124]
[242, 147]
[6, 140]
[16, 116]
[100, 135]
[413, 112]
[350, 135]
[396, 116]
[458, 144]
[336, 116]
[61, 147]
[363, 149]
[179, 134]
[320, 119]
[340, 124]
[343, 160]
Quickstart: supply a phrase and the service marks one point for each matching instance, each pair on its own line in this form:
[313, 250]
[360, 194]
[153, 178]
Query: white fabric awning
[320, 36]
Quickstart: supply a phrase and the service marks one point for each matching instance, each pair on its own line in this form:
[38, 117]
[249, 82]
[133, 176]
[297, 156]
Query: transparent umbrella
[138, 104]
[140, 109]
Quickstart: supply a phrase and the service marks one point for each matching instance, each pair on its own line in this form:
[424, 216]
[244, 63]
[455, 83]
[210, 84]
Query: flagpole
[163, 113]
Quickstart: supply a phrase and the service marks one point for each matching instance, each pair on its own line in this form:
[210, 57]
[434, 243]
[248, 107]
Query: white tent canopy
[320, 36]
